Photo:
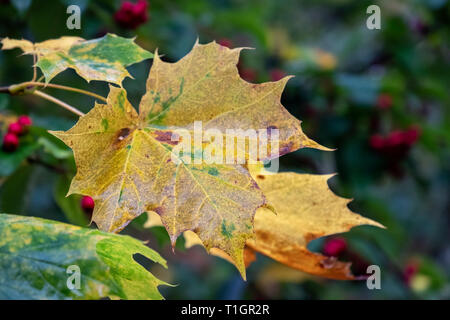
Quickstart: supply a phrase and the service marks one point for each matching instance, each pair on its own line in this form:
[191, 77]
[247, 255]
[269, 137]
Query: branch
[57, 86]
[39, 161]
[5, 90]
[29, 86]
[58, 102]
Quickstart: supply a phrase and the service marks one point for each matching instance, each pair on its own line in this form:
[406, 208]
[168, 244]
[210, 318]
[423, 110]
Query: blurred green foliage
[342, 69]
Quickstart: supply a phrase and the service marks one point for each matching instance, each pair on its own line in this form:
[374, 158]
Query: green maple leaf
[102, 59]
[36, 254]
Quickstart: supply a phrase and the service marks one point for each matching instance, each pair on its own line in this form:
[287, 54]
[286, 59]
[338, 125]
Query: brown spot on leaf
[120, 139]
[122, 134]
[167, 137]
[311, 236]
[260, 176]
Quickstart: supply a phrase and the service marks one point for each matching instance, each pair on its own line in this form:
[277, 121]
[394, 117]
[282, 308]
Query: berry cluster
[131, 15]
[397, 143]
[16, 129]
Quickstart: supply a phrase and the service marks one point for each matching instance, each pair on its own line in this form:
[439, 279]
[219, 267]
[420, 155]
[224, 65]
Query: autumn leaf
[124, 159]
[105, 262]
[205, 86]
[102, 59]
[306, 209]
[191, 239]
[128, 169]
[41, 48]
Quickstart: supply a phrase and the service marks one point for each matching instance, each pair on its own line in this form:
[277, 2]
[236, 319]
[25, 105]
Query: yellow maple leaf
[125, 160]
[306, 209]
[191, 239]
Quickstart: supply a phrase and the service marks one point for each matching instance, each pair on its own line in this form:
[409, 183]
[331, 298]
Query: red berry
[376, 141]
[248, 74]
[25, 121]
[87, 203]
[409, 271]
[411, 135]
[384, 101]
[15, 128]
[131, 15]
[335, 247]
[276, 74]
[225, 42]
[10, 142]
[395, 138]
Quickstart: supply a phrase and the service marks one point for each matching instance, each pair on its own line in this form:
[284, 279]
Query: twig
[61, 87]
[34, 67]
[28, 87]
[39, 161]
[58, 102]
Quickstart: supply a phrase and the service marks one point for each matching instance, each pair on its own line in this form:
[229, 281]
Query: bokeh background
[381, 97]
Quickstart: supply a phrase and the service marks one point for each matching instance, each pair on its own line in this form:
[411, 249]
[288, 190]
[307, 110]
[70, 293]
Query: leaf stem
[27, 87]
[58, 102]
[61, 87]
[34, 67]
